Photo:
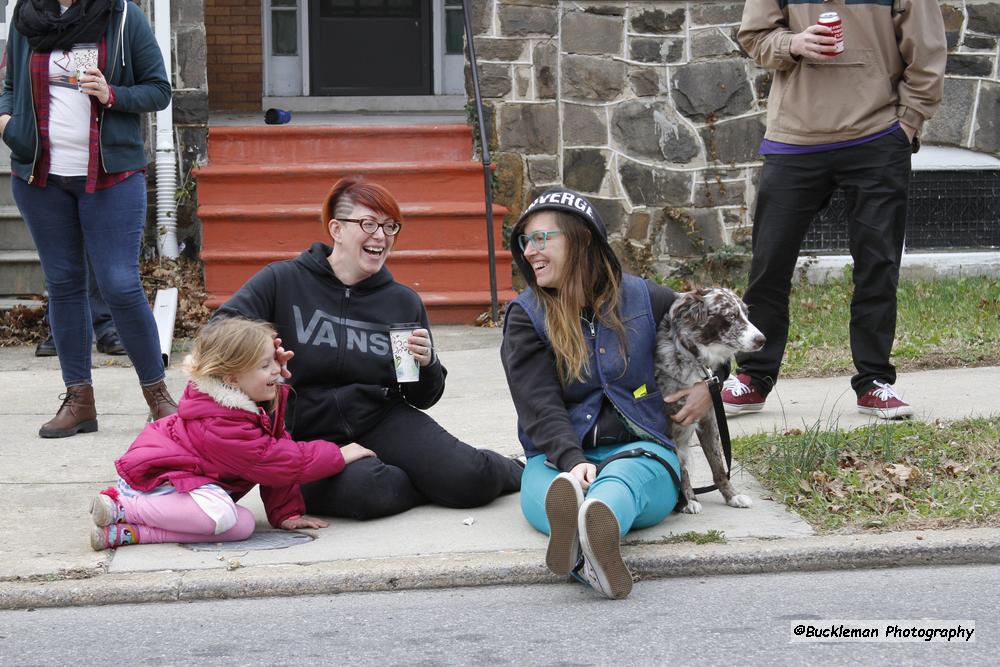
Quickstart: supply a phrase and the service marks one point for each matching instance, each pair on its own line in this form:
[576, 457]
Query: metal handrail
[485, 152]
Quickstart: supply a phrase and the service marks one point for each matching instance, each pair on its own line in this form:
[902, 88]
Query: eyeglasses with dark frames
[369, 226]
[536, 239]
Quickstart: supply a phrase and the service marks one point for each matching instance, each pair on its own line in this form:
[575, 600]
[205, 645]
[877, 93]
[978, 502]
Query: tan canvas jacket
[892, 67]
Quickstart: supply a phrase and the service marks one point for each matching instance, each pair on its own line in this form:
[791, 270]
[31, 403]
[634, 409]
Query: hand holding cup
[93, 83]
[419, 344]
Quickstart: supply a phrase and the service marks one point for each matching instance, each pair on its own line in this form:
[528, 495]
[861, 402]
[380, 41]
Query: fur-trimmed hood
[224, 394]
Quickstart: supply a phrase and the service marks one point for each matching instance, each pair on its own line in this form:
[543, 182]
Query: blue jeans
[639, 491]
[72, 228]
[100, 314]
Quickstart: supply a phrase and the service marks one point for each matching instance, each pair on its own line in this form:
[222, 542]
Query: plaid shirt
[97, 178]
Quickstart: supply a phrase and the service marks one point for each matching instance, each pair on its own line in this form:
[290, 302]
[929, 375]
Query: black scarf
[47, 28]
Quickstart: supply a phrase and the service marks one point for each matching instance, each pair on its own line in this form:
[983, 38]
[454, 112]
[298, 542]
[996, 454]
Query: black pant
[418, 462]
[875, 177]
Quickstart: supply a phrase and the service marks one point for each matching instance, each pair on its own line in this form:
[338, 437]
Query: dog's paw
[692, 507]
[740, 500]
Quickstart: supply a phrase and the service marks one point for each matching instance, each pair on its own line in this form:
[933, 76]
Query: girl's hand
[419, 344]
[697, 405]
[282, 356]
[585, 472]
[293, 522]
[93, 83]
[354, 451]
[3, 122]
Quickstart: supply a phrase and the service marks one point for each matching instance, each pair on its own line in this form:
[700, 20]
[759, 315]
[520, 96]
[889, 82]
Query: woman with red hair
[332, 306]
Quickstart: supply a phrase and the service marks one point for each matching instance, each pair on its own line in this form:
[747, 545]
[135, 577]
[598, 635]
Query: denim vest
[631, 387]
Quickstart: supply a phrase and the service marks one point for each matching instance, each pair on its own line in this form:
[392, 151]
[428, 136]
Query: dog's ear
[690, 307]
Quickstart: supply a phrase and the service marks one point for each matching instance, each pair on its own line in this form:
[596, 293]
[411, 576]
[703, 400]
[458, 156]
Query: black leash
[715, 389]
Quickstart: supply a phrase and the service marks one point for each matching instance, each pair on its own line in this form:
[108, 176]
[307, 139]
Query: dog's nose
[758, 342]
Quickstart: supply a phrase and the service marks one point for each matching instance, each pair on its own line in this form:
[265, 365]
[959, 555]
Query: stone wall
[190, 109]
[653, 111]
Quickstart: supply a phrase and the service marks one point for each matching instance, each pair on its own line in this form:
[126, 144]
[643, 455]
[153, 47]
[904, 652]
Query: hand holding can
[832, 21]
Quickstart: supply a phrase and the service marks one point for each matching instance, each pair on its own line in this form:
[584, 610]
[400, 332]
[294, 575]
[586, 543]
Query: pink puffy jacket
[219, 436]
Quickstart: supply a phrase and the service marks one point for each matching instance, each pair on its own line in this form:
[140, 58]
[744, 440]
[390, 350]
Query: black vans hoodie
[343, 375]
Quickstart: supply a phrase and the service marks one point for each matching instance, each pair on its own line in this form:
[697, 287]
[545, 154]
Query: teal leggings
[639, 491]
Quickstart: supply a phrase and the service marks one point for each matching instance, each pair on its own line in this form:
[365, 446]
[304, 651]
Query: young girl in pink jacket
[179, 480]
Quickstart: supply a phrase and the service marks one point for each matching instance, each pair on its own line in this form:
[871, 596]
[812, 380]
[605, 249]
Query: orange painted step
[423, 270]
[287, 145]
[439, 225]
[308, 184]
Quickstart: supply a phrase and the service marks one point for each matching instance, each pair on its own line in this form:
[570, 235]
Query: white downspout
[166, 156]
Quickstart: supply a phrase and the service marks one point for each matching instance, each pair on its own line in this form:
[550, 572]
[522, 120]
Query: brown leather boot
[159, 401]
[76, 414]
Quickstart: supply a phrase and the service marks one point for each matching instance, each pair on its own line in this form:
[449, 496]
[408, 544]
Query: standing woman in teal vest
[578, 353]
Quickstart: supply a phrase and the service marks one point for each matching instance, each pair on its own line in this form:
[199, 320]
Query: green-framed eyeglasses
[537, 239]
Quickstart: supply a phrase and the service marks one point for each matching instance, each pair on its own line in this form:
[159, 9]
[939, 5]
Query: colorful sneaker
[739, 395]
[562, 507]
[106, 509]
[113, 536]
[603, 567]
[883, 402]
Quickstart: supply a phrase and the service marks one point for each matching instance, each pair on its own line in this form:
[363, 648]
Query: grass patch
[943, 323]
[710, 537]
[895, 476]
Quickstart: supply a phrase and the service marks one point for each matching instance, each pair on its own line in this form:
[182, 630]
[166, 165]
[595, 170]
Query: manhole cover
[270, 539]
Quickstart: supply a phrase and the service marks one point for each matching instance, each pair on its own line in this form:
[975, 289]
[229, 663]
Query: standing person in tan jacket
[849, 120]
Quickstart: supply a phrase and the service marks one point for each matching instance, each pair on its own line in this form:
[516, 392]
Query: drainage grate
[946, 210]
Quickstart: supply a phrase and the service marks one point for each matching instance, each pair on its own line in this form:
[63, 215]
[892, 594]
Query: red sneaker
[740, 396]
[883, 402]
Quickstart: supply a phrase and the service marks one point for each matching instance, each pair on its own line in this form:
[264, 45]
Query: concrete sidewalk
[45, 558]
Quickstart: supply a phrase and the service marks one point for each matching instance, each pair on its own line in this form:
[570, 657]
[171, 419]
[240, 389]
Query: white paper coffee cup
[84, 58]
[407, 368]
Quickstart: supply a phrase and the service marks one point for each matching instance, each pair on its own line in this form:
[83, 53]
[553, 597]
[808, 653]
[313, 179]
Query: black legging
[418, 462]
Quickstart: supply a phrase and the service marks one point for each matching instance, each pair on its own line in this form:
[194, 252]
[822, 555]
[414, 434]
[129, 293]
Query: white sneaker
[562, 507]
[603, 567]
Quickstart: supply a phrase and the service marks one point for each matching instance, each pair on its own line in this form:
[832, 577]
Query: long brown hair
[590, 281]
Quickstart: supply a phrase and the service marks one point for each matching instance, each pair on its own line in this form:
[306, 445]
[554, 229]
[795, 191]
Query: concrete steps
[260, 197]
[20, 270]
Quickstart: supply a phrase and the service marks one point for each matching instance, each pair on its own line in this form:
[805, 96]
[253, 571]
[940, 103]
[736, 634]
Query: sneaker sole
[743, 408]
[98, 541]
[562, 506]
[89, 426]
[601, 545]
[100, 512]
[887, 413]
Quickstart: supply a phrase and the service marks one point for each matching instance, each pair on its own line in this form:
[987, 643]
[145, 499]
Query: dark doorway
[370, 47]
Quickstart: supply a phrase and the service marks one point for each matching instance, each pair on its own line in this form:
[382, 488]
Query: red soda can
[832, 21]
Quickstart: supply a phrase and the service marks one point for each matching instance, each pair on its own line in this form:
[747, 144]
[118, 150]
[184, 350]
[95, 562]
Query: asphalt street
[744, 620]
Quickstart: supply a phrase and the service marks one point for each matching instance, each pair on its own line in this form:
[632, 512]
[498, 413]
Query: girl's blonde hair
[589, 281]
[228, 345]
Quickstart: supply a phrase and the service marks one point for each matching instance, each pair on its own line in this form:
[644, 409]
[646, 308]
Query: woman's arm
[530, 367]
[151, 89]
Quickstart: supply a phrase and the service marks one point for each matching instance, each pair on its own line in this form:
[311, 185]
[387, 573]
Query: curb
[649, 561]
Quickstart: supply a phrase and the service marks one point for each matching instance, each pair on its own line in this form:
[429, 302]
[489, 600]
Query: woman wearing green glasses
[578, 352]
[332, 306]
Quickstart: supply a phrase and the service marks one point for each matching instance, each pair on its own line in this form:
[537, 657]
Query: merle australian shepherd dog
[702, 329]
